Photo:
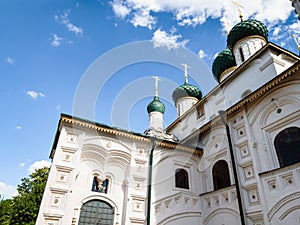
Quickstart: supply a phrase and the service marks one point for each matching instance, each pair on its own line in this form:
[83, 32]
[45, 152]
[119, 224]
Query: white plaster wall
[266, 123]
[184, 104]
[90, 155]
[223, 216]
[191, 122]
[156, 121]
[169, 201]
[259, 72]
[186, 218]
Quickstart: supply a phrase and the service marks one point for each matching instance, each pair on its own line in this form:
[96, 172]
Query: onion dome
[222, 62]
[156, 106]
[245, 29]
[186, 90]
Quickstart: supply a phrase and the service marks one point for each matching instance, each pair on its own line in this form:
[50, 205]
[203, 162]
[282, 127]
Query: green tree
[25, 206]
[5, 211]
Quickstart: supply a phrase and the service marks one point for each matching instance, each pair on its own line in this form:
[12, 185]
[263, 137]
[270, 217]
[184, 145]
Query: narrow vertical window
[242, 54]
[181, 179]
[287, 145]
[220, 174]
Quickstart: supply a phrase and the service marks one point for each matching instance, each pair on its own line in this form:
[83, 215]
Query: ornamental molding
[282, 202]
[68, 120]
[251, 97]
[279, 170]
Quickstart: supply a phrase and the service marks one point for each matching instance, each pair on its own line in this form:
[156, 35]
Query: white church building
[231, 157]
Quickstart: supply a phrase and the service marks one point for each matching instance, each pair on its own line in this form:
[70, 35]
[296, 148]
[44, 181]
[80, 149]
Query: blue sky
[48, 48]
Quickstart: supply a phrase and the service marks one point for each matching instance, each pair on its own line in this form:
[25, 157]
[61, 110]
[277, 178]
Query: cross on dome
[297, 41]
[186, 66]
[239, 6]
[156, 78]
[156, 105]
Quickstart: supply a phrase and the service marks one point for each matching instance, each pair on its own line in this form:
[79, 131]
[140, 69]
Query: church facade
[231, 157]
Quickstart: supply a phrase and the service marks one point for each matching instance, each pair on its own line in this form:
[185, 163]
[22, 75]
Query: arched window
[221, 176]
[287, 145]
[96, 212]
[100, 185]
[181, 179]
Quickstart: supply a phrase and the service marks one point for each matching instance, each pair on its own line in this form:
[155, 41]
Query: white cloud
[163, 39]
[283, 33]
[143, 19]
[7, 191]
[63, 19]
[202, 54]
[38, 165]
[56, 40]
[273, 11]
[120, 9]
[34, 94]
[295, 28]
[22, 164]
[18, 127]
[10, 60]
[194, 12]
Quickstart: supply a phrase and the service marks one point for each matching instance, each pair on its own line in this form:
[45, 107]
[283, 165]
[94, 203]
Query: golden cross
[296, 40]
[239, 6]
[186, 66]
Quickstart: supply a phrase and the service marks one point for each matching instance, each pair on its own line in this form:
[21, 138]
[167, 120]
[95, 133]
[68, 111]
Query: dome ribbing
[222, 62]
[156, 106]
[245, 29]
[186, 90]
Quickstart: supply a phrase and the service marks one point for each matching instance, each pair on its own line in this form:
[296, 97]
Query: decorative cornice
[261, 91]
[279, 170]
[219, 191]
[109, 130]
[234, 74]
[243, 66]
[98, 127]
[167, 145]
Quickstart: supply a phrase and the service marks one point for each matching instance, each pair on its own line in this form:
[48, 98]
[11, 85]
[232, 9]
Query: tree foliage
[23, 208]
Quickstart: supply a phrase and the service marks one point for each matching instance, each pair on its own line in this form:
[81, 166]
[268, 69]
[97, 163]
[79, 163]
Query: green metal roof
[222, 62]
[245, 29]
[156, 106]
[186, 90]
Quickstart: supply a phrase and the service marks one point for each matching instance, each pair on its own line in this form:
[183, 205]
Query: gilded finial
[239, 6]
[186, 66]
[297, 42]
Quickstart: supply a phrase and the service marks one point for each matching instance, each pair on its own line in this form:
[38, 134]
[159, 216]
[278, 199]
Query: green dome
[186, 90]
[245, 29]
[156, 106]
[222, 62]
